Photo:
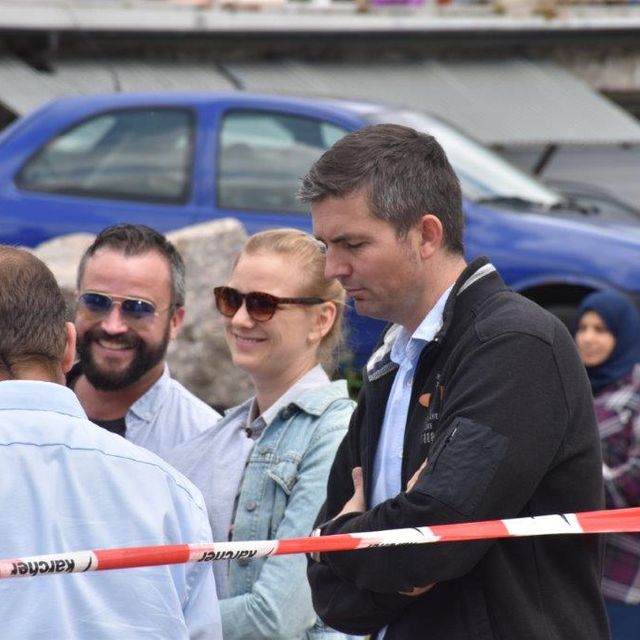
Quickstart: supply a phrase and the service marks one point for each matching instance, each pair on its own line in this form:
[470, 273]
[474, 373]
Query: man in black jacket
[474, 407]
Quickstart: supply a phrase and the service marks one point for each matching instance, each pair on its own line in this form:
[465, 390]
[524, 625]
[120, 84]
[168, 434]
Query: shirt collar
[146, 406]
[254, 423]
[405, 345]
[35, 395]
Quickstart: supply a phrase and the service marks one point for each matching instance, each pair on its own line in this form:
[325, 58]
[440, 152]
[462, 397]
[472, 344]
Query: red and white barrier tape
[613, 521]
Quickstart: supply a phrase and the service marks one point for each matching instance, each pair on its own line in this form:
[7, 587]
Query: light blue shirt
[68, 485]
[166, 415]
[405, 352]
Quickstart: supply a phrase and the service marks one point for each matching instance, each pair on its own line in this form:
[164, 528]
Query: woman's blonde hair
[311, 259]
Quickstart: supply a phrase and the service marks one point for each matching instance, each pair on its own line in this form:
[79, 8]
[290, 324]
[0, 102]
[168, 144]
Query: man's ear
[431, 235]
[177, 320]
[70, 347]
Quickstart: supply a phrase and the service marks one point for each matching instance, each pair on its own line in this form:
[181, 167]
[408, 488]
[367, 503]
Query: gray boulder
[199, 357]
[62, 255]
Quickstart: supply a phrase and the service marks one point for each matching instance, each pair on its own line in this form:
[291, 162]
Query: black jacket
[509, 431]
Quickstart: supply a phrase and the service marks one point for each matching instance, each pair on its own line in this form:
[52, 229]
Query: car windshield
[484, 175]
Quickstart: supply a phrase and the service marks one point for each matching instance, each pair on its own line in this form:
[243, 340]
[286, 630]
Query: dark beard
[145, 358]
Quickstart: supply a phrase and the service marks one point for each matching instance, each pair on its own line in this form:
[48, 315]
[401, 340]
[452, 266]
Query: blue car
[174, 159]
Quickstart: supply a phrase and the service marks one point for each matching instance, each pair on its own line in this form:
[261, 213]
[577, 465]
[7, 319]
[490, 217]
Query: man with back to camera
[68, 485]
[474, 407]
[131, 294]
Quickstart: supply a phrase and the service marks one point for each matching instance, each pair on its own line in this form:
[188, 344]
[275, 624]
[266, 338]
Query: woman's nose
[241, 317]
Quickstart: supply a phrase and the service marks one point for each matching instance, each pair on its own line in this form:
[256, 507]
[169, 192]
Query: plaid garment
[618, 412]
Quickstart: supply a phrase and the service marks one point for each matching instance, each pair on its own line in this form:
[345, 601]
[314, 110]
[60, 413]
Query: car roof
[169, 98]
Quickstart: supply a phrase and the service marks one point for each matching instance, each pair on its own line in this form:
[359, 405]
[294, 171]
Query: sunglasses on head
[96, 306]
[260, 306]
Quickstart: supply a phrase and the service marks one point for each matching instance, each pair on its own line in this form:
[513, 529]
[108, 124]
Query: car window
[263, 155]
[141, 154]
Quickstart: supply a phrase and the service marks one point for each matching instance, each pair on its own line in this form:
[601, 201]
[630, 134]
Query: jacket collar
[313, 401]
[473, 272]
[380, 363]
[316, 401]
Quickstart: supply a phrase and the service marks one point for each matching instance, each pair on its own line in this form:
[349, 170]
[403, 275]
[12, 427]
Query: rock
[62, 255]
[199, 357]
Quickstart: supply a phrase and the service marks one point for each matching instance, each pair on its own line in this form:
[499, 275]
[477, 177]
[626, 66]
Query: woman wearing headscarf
[608, 339]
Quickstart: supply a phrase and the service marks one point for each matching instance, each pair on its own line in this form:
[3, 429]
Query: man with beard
[130, 304]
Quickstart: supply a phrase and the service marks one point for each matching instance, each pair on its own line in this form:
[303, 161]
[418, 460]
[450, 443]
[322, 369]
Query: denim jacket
[283, 487]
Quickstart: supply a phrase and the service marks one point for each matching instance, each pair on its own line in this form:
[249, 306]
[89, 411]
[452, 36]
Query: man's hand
[417, 591]
[414, 478]
[356, 503]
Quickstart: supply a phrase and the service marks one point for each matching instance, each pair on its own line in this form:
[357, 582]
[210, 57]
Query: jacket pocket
[284, 474]
[463, 465]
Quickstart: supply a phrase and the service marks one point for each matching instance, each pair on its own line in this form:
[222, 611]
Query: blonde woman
[263, 467]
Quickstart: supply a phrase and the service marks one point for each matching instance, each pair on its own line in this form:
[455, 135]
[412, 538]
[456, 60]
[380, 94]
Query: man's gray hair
[405, 175]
